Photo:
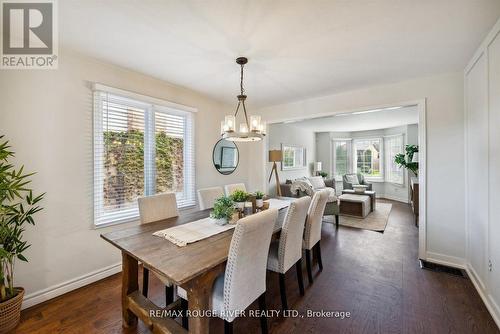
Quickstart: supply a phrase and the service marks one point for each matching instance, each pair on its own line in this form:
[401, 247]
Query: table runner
[191, 232]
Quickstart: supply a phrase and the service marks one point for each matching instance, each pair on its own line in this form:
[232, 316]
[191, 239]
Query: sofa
[318, 183]
[349, 179]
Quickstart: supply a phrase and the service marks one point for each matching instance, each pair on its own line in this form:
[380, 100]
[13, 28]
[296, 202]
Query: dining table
[193, 267]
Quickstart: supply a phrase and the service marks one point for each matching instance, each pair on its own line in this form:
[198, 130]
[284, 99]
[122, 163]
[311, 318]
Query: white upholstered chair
[151, 209]
[231, 188]
[287, 251]
[207, 197]
[312, 230]
[244, 279]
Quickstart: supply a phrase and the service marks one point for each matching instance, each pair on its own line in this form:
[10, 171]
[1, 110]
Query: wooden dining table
[193, 267]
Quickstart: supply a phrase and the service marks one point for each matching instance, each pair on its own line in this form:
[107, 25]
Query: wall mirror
[225, 156]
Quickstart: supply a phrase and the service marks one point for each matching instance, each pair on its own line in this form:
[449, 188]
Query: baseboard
[445, 260]
[62, 288]
[487, 299]
[393, 198]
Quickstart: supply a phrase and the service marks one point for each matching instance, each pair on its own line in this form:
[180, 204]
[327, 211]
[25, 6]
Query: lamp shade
[275, 156]
[318, 166]
[415, 157]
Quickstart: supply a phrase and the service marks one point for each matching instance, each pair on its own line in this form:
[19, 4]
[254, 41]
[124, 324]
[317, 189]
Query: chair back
[245, 277]
[231, 188]
[292, 232]
[157, 207]
[207, 197]
[314, 219]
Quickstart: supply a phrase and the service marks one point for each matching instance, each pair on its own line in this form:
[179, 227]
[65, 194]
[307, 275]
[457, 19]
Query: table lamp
[274, 157]
[318, 167]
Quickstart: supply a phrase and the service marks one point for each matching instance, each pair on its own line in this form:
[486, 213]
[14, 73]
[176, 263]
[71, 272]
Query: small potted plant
[17, 208]
[259, 199]
[323, 174]
[239, 197]
[223, 211]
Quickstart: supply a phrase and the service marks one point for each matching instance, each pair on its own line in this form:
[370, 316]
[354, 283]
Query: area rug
[375, 221]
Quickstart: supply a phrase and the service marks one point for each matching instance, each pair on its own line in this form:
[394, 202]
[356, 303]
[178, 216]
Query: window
[294, 157]
[393, 145]
[341, 158]
[367, 155]
[140, 149]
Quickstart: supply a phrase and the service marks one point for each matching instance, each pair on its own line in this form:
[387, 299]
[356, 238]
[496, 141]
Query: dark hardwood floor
[374, 276]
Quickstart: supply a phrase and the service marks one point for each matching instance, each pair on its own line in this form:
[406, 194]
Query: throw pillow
[317, 182]
[352, 179]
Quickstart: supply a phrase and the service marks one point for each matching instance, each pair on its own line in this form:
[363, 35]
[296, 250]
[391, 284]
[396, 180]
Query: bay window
[367, 154]
[393, 145]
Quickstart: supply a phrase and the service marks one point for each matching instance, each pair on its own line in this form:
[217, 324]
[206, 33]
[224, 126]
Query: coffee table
[370, 193]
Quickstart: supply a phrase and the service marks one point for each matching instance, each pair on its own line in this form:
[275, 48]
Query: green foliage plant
[17, 208]
[239, 196]
[223, 209]
[406, 159]
[259, 195]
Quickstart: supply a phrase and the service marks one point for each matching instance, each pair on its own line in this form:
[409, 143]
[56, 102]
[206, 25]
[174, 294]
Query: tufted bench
[355, 205]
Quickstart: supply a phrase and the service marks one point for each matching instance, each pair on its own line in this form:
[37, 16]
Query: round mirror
[226, 156]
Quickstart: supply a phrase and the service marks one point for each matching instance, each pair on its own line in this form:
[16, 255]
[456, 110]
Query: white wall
[324, 152]
[445, 142]
[47, 116]
[482, 93]
[291, 135]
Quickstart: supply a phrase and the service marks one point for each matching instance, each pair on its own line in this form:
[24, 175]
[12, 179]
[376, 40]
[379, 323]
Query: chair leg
[300, 278]
[145, 281]
[318, 255]
[284, 303]
[169, 295]
[228, 327]
[337, 221]
[185, 319]
[308, 265]
[263, 309]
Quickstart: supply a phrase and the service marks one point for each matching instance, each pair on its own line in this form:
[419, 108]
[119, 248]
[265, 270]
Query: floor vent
[443, 269]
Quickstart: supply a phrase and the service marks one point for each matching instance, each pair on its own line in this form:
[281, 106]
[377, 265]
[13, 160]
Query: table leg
[199, 291]
[130, 284]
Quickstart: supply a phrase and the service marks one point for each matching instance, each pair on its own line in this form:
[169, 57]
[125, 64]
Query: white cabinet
[482, 130]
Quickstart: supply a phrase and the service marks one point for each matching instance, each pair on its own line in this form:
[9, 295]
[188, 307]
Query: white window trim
[381, 159]
[338, 178]
[403, 136]
[153, 104]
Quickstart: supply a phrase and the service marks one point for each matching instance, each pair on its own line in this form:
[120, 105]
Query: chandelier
[253, 130]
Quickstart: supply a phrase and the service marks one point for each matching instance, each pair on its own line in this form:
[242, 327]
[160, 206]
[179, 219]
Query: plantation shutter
[393, 145]
[140, 149]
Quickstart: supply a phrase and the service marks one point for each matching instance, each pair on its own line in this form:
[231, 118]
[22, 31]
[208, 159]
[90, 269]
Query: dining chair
[244, 279]
[287, 251]
[151, 209]
[208, 196]
[312, 230]
[231, 188]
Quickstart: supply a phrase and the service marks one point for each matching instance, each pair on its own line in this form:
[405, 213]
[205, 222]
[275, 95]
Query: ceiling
[381, 119]
[297, 49]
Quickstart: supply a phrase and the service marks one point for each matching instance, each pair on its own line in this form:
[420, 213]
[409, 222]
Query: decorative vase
[10, 312]
[259, 203]
[219, 221]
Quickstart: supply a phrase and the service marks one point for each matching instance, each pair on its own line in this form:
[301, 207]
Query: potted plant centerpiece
[239, 197]
[259, 199]
[17, 208]
[223, 211]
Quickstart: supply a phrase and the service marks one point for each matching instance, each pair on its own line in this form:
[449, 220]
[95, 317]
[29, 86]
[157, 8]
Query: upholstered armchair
[350, 179]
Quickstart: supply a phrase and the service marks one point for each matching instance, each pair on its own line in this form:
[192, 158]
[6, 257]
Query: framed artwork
[294, 157]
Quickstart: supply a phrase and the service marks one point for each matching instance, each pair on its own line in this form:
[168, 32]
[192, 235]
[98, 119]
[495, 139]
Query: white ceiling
[297, 49]
[383, 119]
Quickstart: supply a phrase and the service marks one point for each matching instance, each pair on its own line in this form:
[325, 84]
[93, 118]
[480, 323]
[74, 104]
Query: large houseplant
[406, 159]
[18, 206]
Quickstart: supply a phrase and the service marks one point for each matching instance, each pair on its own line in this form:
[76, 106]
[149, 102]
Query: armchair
[349, 178]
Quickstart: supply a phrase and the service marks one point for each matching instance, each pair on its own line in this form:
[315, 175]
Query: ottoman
[355, 205]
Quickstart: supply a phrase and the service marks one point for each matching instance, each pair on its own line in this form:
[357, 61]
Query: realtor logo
[29, 34]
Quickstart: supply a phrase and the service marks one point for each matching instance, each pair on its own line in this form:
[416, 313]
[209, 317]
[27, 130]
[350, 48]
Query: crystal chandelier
[253, 130]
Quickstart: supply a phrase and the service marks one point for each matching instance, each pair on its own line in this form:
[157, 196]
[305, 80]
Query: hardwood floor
[374, 276]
